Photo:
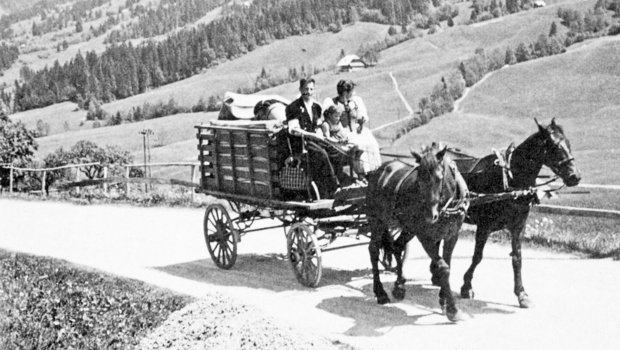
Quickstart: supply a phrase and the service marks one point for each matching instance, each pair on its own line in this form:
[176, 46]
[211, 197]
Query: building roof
[349, 60]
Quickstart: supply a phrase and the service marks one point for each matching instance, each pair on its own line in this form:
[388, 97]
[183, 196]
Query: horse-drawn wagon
[246, 164]
[243, 163]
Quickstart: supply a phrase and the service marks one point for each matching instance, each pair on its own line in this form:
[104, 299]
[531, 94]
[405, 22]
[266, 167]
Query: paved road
[576, 299]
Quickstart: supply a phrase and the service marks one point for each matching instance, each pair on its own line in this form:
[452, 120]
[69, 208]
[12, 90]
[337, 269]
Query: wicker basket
[293, 176]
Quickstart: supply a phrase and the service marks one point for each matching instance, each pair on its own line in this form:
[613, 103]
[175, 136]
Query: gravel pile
[222, 323]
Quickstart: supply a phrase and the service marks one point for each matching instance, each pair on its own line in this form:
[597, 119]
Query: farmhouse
[351, 63]
[539, 3]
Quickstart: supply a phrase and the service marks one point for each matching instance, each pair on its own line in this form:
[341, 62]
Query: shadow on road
[420, 307]
[270, 271]
[273, 272]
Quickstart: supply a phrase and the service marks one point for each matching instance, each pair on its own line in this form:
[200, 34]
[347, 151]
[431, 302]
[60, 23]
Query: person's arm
[292, 119]
[362, 112]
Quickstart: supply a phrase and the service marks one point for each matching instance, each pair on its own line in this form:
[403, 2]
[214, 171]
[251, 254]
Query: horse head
[430, 179]
[557, 154]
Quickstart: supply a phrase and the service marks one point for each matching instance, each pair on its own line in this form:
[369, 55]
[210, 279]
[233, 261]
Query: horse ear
[553, 121]
[540, 127]
[416, 155]
[439, 155]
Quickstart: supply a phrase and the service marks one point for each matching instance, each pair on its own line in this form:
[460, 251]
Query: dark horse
[549, 146]
[428, 201]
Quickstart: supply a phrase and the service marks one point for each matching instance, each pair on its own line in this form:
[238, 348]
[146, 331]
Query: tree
[43, 128]
[55, 159]
[554, 29]
[523, 53]
[89, 152]
[17, 145]
[510, 56]
[78, 26]
[36, 31]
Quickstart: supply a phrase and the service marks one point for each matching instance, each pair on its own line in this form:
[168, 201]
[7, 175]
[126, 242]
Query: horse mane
[428, 159]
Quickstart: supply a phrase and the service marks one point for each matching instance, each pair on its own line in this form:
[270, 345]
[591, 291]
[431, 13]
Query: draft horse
[427, 200]
[548, 146]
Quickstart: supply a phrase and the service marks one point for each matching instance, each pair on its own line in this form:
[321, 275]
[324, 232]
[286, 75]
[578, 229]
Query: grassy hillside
[61, 117]
[579, 88]
[168, 131]
[418, 64]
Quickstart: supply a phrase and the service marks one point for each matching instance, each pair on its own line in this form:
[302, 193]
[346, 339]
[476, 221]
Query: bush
[426, 115]
[484, 16]
[200, 106]
[48, 303]
[43, 128]
[456, 84]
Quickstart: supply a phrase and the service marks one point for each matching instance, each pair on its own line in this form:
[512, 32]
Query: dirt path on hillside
[457, 103]
[576, 299]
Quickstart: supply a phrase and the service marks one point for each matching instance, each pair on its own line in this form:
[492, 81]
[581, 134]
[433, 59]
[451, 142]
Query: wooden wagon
[241, 162]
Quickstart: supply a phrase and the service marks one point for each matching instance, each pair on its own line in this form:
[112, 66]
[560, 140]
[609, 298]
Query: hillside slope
[579, 88]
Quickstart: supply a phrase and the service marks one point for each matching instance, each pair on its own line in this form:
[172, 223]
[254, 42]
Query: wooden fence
[542, 208]
[105, 180]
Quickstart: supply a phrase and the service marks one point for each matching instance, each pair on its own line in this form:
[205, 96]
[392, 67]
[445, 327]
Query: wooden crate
[239, 160]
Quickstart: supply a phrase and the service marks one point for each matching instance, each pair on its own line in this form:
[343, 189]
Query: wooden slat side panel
[239, 161]
[241, 150]
[244, 173]
[250, 165]
[243, 187]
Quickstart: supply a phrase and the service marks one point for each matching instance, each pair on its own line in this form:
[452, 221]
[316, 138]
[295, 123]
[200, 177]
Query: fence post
[43, 183]
[127, 168]
[193, 176]
[105, 176]
[77, 178]
[11, 179]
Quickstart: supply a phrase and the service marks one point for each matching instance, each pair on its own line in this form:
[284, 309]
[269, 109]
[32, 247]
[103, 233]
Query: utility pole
[146, 150]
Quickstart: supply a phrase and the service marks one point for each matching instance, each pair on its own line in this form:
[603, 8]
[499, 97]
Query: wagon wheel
[304, 253]
[220, 236]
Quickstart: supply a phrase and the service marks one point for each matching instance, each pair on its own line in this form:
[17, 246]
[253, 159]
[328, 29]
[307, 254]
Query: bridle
[558, 145]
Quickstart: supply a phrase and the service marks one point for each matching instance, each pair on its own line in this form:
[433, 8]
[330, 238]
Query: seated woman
[355, 120]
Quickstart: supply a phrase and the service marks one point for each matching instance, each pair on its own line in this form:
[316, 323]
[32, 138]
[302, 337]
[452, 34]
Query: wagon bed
[240, 163]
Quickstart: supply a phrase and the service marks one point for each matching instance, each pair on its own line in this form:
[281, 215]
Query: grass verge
[47, 303]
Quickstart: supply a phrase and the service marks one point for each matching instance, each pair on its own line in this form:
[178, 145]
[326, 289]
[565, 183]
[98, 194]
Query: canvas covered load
[253, 107]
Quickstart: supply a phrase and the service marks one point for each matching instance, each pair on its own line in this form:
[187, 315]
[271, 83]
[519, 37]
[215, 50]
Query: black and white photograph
[310, 174]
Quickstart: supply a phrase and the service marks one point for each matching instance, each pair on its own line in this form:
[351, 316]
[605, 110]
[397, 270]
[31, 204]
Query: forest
[123, 70]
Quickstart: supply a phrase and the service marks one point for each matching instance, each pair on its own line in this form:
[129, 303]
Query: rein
[459, 207]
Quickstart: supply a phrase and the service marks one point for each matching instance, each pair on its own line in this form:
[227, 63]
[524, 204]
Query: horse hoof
[524, 301]
[383, 300]
[467, 293]
[457, 316]
[398, 293]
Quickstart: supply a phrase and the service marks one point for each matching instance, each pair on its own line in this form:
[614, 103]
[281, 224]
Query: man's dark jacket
[307, 122]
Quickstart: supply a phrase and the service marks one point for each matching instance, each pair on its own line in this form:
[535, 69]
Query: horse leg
[448, 248]
[377, 231]
[446, 299]
[482, 235]
[399, 252]
[516, 234]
